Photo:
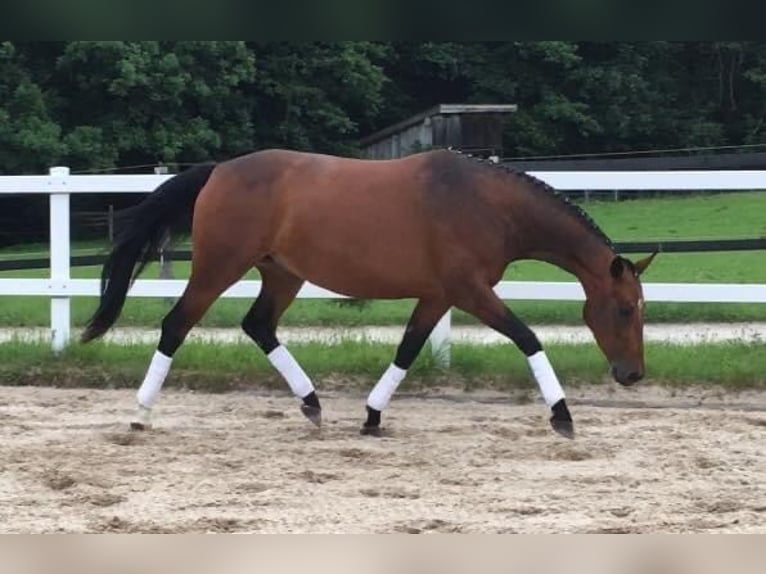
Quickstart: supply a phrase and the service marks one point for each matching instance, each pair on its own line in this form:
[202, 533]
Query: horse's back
[367, 228]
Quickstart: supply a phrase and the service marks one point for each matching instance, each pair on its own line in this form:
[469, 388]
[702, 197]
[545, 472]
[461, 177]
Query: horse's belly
[383, 270]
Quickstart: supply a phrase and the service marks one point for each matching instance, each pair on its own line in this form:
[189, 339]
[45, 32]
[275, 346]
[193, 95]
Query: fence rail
[60, 287]
[694, 246]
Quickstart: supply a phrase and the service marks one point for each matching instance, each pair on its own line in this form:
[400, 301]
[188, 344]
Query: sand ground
[645, 460]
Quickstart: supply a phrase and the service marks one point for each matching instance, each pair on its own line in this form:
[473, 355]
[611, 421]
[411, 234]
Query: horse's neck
[563, 240]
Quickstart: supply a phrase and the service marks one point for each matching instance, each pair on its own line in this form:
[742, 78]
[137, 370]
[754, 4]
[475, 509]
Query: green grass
[701, 216]
[220, 368]
[709, 216]
[35, 311]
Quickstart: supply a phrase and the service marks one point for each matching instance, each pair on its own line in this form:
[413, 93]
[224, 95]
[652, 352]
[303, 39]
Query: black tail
[142, 230]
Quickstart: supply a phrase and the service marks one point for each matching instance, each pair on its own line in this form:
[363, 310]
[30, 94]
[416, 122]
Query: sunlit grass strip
[219, 367]
[148, 312]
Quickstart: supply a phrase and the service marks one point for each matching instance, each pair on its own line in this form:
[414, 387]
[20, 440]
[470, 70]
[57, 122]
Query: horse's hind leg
[205, 286]
[423, 320]
[279, 288]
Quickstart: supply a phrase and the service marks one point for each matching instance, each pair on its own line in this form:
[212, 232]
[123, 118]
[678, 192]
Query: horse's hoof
[371, 431]
[564, 427]
[143, 420]
[314, 414]
[561, 421]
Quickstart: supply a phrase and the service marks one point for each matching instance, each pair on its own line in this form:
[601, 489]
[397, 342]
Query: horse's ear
[644, 263]
[617, 267]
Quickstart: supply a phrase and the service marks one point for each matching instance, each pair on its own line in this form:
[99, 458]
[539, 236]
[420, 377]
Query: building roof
[439, 110]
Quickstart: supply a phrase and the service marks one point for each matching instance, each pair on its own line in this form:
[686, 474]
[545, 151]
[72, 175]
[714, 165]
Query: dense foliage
[104, 104]
[97, 105]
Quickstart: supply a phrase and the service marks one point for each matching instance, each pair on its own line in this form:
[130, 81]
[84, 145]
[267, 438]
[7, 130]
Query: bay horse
[438, 226]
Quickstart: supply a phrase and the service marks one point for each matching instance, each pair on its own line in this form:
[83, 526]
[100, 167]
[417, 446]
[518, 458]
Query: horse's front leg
[485, 305]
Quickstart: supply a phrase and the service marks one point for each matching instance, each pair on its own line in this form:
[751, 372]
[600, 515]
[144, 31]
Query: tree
[537, 76]
[139, 102]
[315, 96]
[30, 139]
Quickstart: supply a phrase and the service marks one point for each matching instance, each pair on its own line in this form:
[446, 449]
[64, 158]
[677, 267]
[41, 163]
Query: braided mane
[562, 200]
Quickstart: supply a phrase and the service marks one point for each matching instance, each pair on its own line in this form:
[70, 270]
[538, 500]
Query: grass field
[225, 367]
[709, 216]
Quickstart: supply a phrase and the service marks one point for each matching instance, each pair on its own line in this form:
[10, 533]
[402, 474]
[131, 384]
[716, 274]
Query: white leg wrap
[384, 389]
[155, 376]
[288, 367]
[546, 378]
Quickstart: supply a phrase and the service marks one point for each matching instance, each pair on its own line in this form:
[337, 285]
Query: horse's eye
[626, 310]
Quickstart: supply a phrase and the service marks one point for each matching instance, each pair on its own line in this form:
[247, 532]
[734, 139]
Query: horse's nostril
[625, 376]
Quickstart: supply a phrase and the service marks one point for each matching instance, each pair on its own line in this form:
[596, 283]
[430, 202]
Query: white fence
[60, 287]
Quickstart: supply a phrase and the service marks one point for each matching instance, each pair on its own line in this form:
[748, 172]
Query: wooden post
[110, 223]
[166, 269]
[166, 263]
[440, 341]
[60, 250]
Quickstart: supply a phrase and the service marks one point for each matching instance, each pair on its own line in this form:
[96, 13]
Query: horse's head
[615, 313]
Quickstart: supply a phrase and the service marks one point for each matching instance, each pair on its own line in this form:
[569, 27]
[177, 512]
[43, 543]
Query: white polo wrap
[546, 378]
[288, 367]
[153, 380]
[381, 394]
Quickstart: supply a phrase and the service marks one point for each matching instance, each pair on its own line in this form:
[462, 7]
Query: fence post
[440, 341]
[110, 223]
[59, 248]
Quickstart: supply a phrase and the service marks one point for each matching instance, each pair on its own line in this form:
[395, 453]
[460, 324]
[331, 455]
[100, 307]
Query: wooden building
[471, 128]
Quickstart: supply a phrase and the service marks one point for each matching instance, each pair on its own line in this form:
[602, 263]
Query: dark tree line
[103, 105]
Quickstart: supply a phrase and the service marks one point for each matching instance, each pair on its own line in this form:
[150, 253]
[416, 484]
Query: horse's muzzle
[626, 375]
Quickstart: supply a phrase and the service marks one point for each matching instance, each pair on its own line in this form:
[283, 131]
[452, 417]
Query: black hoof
[314, 414]
[371, 431]
[563, 427]
[561, 421]
[138, 426]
